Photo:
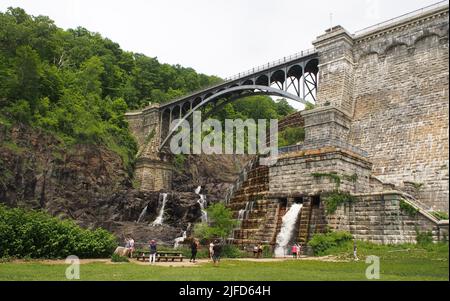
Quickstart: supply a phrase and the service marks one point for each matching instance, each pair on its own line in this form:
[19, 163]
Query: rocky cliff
[88, 183]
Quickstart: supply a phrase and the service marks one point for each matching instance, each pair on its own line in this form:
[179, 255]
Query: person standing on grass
[211, 250]
[131, 243]
[194, 248]
[299, 250]
[294, 251]
[217, 249]
[153, 251]
[355, 251]
[260, 250]
[255, 251]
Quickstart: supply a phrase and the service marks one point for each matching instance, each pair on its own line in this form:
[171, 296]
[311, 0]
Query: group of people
[215, 249]
[296, 250]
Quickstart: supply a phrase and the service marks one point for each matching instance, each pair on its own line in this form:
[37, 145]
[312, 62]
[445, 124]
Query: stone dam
[378, 132]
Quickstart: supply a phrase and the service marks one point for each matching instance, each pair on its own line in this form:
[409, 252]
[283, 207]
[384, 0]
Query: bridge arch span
[237, 92]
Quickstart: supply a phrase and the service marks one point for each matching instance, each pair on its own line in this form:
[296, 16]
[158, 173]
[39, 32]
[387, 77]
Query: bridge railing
[260, 68]
[272, 64]
[416, 12]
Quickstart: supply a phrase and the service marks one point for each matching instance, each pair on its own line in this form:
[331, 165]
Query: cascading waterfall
[141, 216]
[287, 228]
[248, 209]
[160, 218]
[202, 202]
[241, 215]
[181, 239]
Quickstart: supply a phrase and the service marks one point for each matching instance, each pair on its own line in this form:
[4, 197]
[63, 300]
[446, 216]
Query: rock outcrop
[88, 183]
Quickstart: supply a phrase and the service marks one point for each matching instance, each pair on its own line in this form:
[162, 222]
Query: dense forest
[77, 84]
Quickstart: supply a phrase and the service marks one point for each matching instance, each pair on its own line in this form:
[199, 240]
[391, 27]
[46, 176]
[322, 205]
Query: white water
[248, 209]
[179, 240]
[202, 202]
[287, 228]
[160, 218]
[141, 216]
[198, 189]
[241, 215]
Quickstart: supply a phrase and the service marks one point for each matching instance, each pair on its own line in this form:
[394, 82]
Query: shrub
[231, 251]
[118, 258]
[408, 209]
[424, 238]
[440, 215]
[335, 199]
[321, 243]
[36, 234]
[220, 224]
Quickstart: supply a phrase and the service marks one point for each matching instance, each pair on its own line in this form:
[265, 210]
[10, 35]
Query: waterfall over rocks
[203, 204]
[160, 218]
[141, 216]
[287, 228]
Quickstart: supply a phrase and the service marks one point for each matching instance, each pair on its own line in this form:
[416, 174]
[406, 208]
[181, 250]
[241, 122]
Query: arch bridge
[293, 77]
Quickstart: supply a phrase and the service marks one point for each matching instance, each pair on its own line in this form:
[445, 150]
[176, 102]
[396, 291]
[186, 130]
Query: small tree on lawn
[220, 223]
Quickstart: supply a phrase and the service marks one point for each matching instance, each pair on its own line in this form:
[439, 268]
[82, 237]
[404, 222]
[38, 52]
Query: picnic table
[160, 255]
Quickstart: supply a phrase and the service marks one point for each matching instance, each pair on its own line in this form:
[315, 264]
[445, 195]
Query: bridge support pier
[153, 170]
[153, 175]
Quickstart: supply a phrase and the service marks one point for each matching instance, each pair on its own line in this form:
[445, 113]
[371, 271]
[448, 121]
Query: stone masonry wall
[379, 219]
[292, 176]
[401, 105]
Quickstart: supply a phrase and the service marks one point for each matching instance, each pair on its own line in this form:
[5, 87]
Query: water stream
[287, 229]
[160, 218]
[141, 216]
[203, 204]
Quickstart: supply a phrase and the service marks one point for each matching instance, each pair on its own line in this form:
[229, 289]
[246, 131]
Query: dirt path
[184, 263]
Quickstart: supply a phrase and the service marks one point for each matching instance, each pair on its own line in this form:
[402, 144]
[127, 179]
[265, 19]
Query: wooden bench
[163, 255]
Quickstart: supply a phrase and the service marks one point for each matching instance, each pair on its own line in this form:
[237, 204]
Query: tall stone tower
[153, 170]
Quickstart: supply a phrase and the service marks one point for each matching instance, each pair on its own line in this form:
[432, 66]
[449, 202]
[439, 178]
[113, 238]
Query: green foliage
[36, 234]
[424, 238]
[333, 176]
[440, 215]
[231, 251]
[117, 258]
[179, 161]
[408, 209]
[335, 199]
[322, 243]
[220, 225]
[291, 136]
[77, 85]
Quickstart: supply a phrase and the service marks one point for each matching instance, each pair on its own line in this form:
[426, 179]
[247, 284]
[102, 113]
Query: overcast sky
[216, 37]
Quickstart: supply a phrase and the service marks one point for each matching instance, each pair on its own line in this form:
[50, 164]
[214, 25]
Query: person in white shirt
[211, 250]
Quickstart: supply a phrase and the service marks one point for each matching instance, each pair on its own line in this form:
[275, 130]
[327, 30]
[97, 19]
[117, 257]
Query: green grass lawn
[395, 264]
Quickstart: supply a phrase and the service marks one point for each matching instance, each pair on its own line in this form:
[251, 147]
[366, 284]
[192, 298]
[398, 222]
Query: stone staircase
[312, 220]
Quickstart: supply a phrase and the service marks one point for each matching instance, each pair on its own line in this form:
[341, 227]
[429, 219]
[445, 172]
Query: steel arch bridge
[293, 77]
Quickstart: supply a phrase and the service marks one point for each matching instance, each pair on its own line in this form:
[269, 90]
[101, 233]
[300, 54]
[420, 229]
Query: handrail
[260, 68]
[401, 17]
[269, 65]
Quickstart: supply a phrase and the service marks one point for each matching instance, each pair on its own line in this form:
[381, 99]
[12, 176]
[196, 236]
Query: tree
[220, 225]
